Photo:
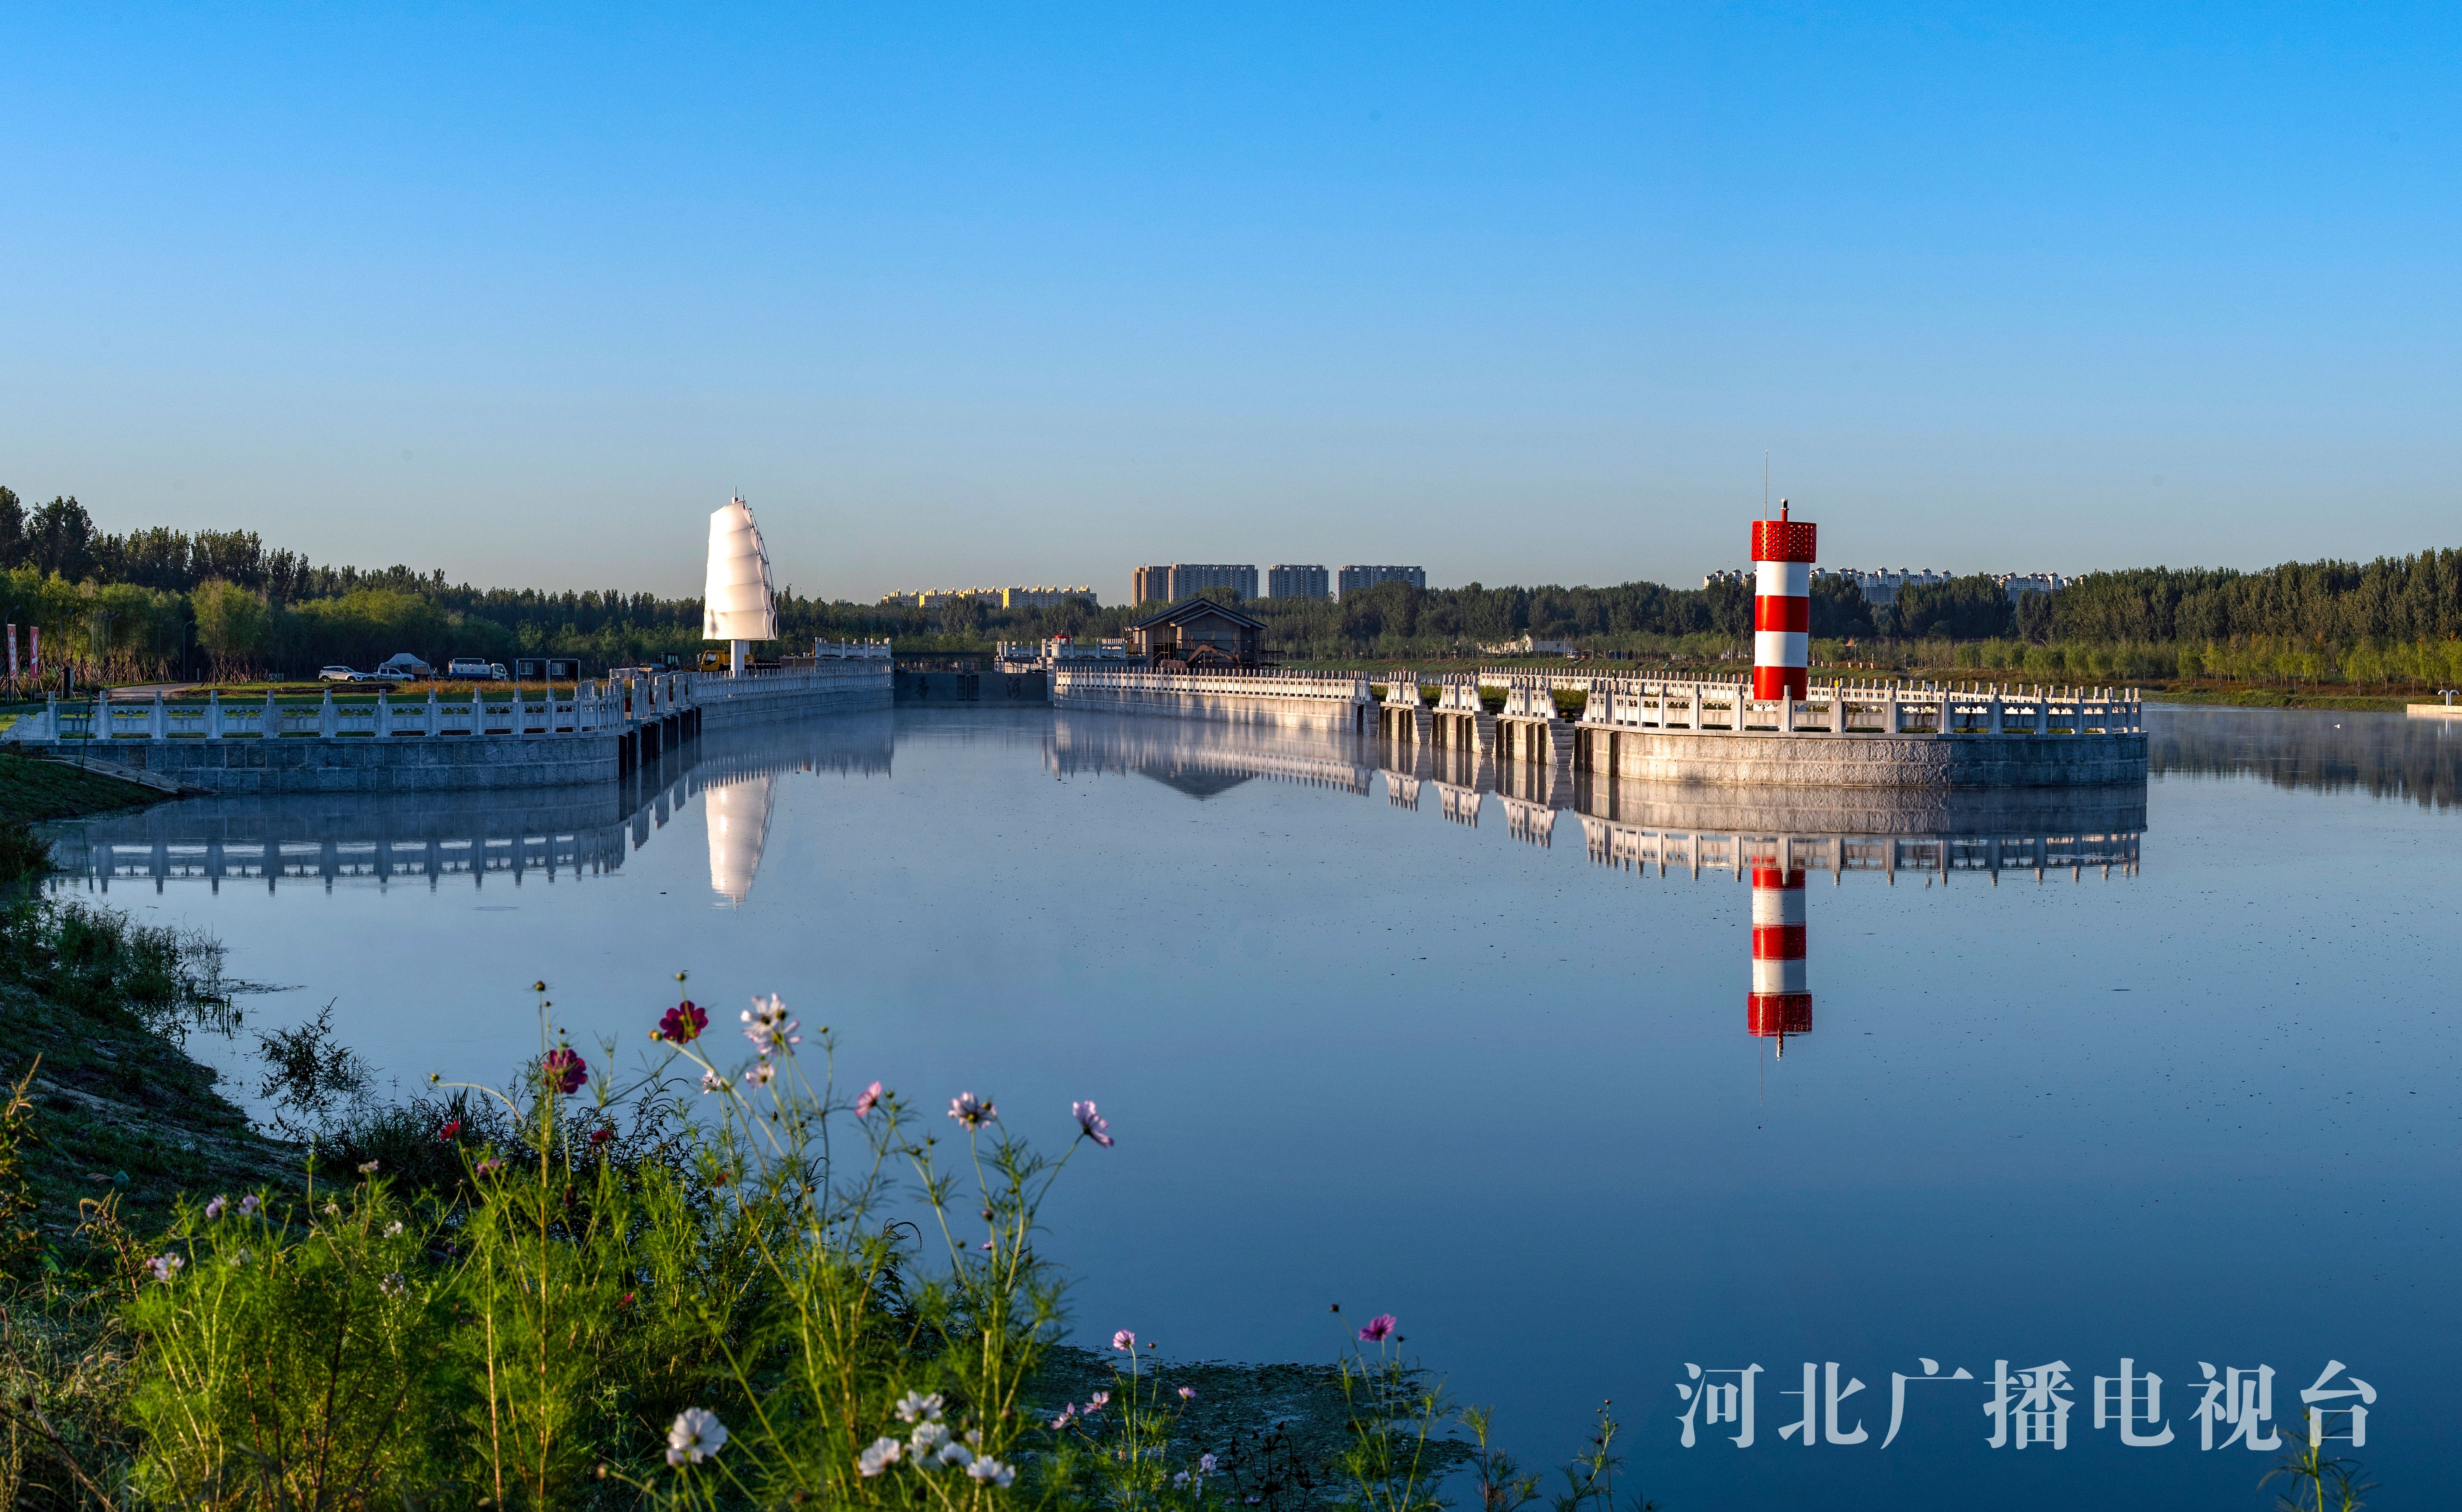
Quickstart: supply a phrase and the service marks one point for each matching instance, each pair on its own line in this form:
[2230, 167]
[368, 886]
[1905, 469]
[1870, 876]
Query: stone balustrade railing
[592, 707]
[1888, 710]
[1262, 683]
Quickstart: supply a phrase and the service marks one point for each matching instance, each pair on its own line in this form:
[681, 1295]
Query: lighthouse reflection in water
[1782, 847]
[1781, 1003]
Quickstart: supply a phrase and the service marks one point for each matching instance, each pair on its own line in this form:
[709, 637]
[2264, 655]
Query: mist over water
[2158, 1074]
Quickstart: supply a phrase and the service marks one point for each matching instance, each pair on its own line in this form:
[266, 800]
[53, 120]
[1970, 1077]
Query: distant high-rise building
[1041, 598]
[1152, 585]
[1354, 578]
[1189, 579]
[1283, 580]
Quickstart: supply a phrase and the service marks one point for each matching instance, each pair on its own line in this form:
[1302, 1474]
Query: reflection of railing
[332, 837]
[1201, 759]
[1693, 852]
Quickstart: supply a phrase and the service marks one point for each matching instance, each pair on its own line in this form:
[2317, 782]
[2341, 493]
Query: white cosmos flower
[992, 1470]
[696, 1434]
[954, 1453]
[879, 1456]
[915, 1407]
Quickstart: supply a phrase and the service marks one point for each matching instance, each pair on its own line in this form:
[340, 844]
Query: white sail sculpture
[736, 605]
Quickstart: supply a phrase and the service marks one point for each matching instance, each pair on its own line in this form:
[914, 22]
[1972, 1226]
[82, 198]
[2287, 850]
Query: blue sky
[1035, 294]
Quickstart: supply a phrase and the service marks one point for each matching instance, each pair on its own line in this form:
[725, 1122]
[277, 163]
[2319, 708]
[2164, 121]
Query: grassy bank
[33, 791]
[2286, 699]
[162, 1342]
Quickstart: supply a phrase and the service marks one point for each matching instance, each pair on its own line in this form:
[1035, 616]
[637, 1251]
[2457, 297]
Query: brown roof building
[1197, 632]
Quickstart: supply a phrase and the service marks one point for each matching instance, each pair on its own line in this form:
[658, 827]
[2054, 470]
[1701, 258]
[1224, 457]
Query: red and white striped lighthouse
[1781, 1003]
[1782, 605]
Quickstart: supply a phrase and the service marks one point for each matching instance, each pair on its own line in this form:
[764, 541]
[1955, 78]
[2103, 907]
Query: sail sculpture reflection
[738, 815]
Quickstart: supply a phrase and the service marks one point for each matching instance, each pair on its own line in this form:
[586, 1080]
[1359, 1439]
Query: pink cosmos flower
[165, 1266]
[1380, 1328]
[1098, 1401]
[1188, 1393]
[970, 1111]
[248, 1204]
[214, 1208]
[1124, 1340]
[1091, 1122]
[565, 1069]
[490, 1166]
[684, 1023]
[870, 1100]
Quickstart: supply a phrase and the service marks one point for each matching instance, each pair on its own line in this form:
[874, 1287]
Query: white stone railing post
[327, 722]
[385, 714]
[213, 714]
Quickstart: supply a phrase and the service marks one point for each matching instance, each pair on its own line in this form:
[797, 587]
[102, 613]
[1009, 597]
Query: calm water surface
[2186, 1095]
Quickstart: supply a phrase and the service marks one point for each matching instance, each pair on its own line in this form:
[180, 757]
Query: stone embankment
[476, 741]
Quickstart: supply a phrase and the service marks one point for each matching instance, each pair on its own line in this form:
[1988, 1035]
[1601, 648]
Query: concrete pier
[1837, 735]
[484, 740]
[1295, 701]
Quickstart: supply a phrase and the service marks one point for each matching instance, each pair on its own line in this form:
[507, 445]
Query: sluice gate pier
[1829, 735]
[1710, 731]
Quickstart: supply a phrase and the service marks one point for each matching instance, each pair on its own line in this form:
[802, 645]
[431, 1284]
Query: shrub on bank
[726, 1282]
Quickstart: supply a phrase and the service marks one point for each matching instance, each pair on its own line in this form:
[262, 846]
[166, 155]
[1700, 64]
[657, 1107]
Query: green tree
[231, 625]
[59, 539]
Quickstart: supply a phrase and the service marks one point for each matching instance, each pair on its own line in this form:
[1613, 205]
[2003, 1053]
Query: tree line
[158, 600]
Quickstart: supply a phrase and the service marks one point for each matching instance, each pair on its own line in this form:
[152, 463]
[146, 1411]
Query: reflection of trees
[2383, 755]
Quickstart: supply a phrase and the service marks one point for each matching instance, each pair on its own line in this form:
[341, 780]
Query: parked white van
[478, 669]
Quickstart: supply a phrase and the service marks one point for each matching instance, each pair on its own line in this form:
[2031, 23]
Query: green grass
[32, 792]
[102, 1004]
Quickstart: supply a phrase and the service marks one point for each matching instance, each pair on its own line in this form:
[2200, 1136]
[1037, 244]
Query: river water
[2165, 1076]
